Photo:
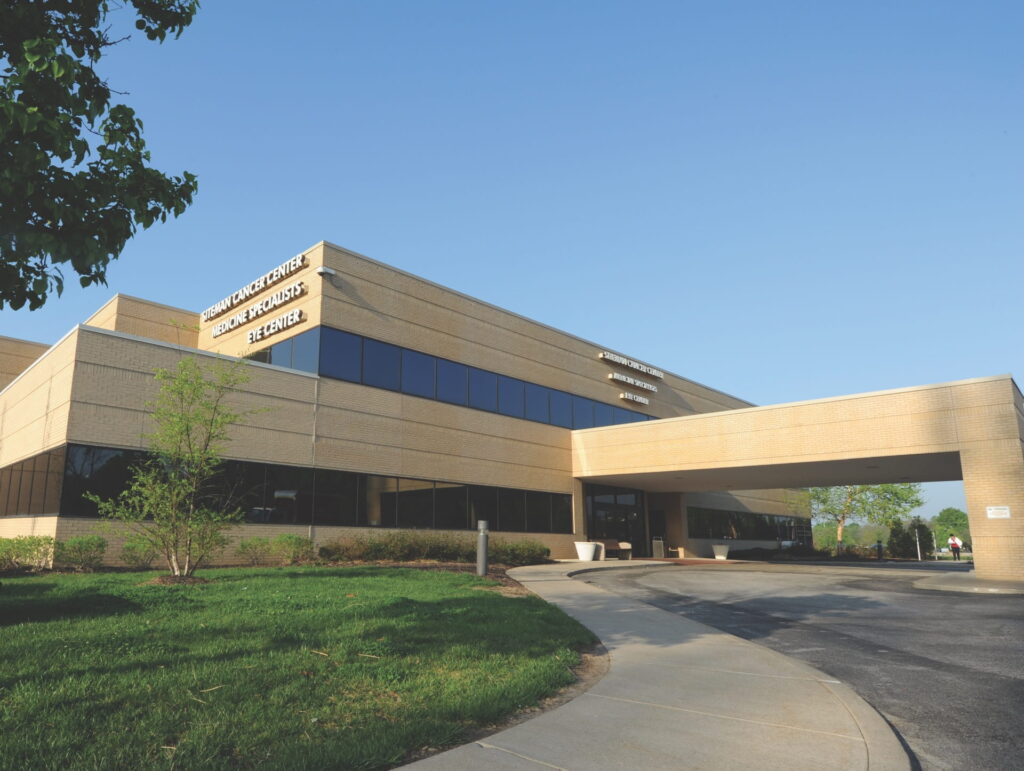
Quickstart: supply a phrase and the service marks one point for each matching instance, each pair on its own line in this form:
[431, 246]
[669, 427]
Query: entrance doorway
[617, 513]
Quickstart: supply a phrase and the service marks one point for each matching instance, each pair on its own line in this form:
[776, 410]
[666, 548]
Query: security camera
[323, 270]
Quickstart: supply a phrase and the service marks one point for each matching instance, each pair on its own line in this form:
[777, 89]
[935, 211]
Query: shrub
[84, 553]
[513, 553]
[292, 549]
[32, 552]
[138, 553]
[255, 551]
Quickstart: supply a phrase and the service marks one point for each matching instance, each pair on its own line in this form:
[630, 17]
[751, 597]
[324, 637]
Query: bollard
[481, 548]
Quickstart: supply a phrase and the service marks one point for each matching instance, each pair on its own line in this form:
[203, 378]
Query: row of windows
[345, 356]
[269, 493]
[33, 485]
[745, 525]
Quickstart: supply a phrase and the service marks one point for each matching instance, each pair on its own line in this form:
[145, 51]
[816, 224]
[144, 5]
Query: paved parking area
[945, 668]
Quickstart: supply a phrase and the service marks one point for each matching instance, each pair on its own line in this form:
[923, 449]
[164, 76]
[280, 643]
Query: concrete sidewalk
[681, 695]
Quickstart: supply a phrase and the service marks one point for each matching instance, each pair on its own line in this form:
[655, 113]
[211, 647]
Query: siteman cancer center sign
[267, 304]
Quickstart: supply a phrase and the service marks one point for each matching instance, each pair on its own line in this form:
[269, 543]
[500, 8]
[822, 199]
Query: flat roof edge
[844, 397]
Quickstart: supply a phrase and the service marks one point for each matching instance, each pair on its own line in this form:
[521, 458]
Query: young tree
[57, 208]
[877, 504]
[951, 520]
[174, 501]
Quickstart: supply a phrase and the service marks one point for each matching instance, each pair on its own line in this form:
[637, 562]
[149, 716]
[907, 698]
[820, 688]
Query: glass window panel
[483, 505]
[538, 512]
[25, 493]
[604, 414]
[451, 511]
[13, 488]
[382, 364]
[623, 416]
[561, 513]
[626, 499]
[36, 468]
[378, 500]
[306, 350]
[100, 470]
[336, 494]
[483, 390]
[511, 510]
[290, 494]
[341, 355]
[245, 487]
[281, 353]
[537, 403]
[561, 409]
[415, 503]
[5, 489]
[418, 374]
[511, 396]
[582, 412]
[452, 382]
[263, 356]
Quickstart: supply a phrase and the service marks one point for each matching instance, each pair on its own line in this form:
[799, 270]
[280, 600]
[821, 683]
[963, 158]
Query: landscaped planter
[721, 551]
[586, 550]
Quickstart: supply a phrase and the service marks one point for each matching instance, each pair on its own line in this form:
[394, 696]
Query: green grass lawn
[269, 668]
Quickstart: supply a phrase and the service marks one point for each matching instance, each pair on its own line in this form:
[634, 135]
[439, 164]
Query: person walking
[954, 546]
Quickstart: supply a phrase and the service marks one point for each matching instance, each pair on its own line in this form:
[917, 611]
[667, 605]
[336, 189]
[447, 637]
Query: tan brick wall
[155, 321]
[34, 408]
[12, 527]
[16, 356]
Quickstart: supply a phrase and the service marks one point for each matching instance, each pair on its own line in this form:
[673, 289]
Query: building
[387, 401]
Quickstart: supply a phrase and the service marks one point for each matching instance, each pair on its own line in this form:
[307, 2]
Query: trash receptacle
[658, 547]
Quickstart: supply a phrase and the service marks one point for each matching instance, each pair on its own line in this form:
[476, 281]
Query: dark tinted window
[306, 350]
[382, 364]
[98, 470]
[336, 495]
[483, 390]
[244, 486]
[561, 409]
[623, 416]
[378, 500]
[483, 505]
[450, 507]
[511, 511]
[538, 512]
[417, 374]
[582, 412]
[281, 353]
[452, 382]
[341, 355]
[511, 396]
[289, 494]
[561, 513]
[604, 414]
[415, 503]
[537, 403]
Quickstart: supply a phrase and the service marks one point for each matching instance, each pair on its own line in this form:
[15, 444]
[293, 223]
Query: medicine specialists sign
[253, 288]
[257, 309]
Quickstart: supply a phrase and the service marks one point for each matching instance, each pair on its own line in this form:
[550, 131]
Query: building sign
[253, 288]
[254, 311]
[614, 358]
[633, 382]
[634, 398]
[281, 323]
[998, 512]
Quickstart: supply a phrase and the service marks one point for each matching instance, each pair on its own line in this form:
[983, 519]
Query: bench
[622, 549]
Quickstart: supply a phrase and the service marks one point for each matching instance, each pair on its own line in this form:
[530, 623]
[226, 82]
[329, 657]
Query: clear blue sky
[783, 200]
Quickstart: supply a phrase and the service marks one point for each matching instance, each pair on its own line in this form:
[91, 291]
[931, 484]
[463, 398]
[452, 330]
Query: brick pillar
[994, 477]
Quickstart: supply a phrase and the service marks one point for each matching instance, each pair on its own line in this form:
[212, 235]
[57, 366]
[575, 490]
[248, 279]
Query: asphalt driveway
[945, 668]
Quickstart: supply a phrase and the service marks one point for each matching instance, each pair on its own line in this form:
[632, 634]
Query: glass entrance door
[617, 513]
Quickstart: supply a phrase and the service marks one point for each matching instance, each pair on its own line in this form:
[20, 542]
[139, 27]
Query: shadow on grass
[30, 604]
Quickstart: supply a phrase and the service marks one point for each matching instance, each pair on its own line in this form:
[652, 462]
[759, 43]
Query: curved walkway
[681, 695]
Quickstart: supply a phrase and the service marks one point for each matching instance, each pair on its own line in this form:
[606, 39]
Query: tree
[74, 179]
[174, 501]
[951, 520]
[877, 504]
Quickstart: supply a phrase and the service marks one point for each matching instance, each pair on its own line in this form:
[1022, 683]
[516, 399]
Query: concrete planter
[721, 551]
[586, 550]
